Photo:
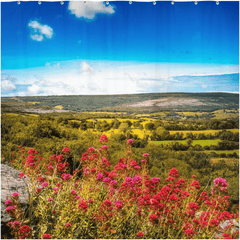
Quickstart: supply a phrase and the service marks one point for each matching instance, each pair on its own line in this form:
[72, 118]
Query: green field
[195, 142]
[203, 131]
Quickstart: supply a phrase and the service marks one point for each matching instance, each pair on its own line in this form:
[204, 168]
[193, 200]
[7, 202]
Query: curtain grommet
[18, 2]
[130, 2]
[107, 3]
[172, 2]
[39, 3]
[195, 2]
[154, 3]
[217, 2]
[61, 2]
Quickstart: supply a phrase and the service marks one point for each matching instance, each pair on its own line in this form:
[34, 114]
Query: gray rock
[11, 183]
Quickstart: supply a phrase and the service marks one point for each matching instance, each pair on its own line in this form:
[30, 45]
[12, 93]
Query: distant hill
[147, 102]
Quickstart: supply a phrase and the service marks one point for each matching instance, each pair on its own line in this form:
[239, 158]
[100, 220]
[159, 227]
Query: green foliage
[49, 133]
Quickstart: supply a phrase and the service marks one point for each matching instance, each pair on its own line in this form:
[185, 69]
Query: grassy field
[59, 107]
[195, 142]
[32, 115]
[116, 113]
[222, 114]
[33, 103]
[163, 114]
[202, 131]
[12, 114]
[136, 131]
[187, 114]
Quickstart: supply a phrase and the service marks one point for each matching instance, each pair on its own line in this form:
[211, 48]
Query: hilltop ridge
[144, 102]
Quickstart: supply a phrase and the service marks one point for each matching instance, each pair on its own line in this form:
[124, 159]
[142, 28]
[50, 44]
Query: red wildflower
[46, 236]
[195, 184]
[58, 184]
[189, 232]
[140, 234]
[107, 203]
[173, 197]
[21, 175]
[7, 202]
[68, 224]
[91, 149]
[173, 173]
[104, 147]
[214, 222]
[31, 151]
[24, 230]
[38, 190]
[226, 236]
[193, 206]
[118, 204]
[103, 138]
[133, 163]
[83, 206]
[153, 217]
[9, 209]
[65, 150]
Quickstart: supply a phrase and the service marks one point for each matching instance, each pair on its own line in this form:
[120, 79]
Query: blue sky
[94, 48]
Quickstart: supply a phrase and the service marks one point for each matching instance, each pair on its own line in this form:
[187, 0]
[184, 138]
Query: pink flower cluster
[65, 150]
[103, 138]
[174, 204]
[220, 183]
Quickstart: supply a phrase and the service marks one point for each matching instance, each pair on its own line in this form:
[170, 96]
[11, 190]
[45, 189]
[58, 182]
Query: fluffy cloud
[78, 77]
[7, 85]
[39, 32]
[34, 89]
[89, 9]
[86, 68]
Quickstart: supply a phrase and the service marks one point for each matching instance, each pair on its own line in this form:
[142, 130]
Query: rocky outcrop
[11, 183]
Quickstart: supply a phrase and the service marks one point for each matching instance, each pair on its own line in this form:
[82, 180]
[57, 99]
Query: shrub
[124, 203]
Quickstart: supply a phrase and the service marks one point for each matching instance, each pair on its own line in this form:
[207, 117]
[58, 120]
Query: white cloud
[34, 89]
[39, 31]
[83, 77]
[86, 68]
[89, 9]
[7, 85]
[37, 37]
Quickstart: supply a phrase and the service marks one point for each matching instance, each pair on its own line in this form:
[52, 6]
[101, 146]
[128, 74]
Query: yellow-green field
[31, 115]
[12, 114]
[59, 107]
[163, 114]
[33, 103]
[191, 113]
[195, 142]
[202, 131]
[138, 132]
[117, 113]
[222, 114]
